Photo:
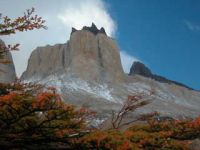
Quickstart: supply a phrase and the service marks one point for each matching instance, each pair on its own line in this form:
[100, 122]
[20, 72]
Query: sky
[164, 35]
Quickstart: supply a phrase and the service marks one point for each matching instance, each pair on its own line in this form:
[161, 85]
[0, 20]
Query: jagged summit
[140, 69]
[92, 29]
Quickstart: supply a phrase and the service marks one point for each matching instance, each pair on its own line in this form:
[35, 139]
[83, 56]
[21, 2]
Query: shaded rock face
[86, 55]
[140, 69]
[7, 71]
[93, 29]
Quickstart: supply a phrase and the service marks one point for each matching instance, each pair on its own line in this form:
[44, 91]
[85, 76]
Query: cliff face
[86, 55]
[7, 71]
[87, 71]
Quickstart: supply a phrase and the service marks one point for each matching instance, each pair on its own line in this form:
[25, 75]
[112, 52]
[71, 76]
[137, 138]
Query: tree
[9, 26]
[130, 105]
[154, 135]
[33, 117]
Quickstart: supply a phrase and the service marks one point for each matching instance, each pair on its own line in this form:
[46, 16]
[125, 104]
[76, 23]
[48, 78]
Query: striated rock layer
[7, 71]
[87, 71]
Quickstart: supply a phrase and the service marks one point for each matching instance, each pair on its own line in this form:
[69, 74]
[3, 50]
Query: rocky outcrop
[7, 70]
[140, 69]
[93, 29]
[88, 55]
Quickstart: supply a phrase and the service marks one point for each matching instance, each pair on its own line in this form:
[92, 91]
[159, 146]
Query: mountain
[7, 71]
[89, 55]
[87, 71]
[140, 69]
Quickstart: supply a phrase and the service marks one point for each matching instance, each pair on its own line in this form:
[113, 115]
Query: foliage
[30, 115]
[9, 26]
[154, 135]
[105, 140]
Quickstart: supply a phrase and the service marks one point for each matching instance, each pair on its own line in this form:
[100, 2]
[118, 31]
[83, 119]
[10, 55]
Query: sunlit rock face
[7, 70]
[87, 55]
[87, 71]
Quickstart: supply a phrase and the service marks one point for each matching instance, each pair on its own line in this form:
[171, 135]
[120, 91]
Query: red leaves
[43, 99]
[27, 109]
[8, 97]
[197, 121]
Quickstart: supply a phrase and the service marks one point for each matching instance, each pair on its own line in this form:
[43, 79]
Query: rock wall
[7, 71]
[86, 55]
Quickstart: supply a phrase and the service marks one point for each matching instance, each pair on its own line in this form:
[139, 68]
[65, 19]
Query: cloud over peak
[60, 18]
[85, 12]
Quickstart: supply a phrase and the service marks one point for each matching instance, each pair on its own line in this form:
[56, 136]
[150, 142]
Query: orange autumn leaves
[34, 113]
[47, 100]
[172, 135]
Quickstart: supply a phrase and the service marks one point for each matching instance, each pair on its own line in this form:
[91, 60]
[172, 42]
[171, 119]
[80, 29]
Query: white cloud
[86, 12]
[127, 61]
[60, 17]
[192, 26]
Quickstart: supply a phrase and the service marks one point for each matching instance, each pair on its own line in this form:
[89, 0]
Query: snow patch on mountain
[160, 92]
[73, 84]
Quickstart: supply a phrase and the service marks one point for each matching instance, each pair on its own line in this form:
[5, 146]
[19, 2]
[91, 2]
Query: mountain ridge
[87, 71]
[93, 29]
[140, 69]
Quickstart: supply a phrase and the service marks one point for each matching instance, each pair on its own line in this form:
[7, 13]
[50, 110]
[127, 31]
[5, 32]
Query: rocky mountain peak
[87, 55]
[141, 69]
[93, 28]
[7, 71]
